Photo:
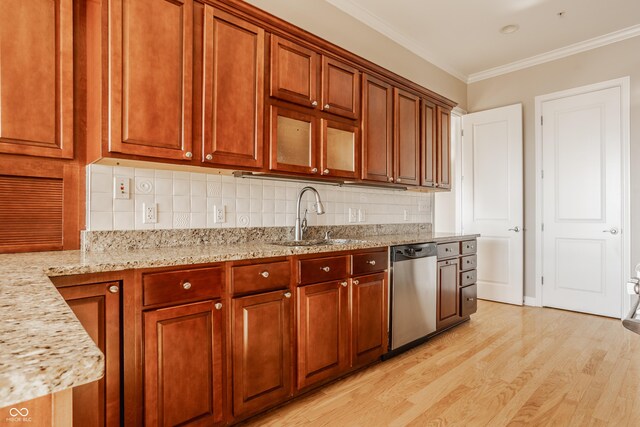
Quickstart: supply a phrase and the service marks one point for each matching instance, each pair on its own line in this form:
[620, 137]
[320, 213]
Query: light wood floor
[507, 366]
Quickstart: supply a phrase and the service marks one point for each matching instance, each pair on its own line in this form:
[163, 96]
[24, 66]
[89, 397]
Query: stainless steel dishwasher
[413, 295]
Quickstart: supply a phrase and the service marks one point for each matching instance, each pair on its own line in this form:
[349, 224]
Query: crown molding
[378, 24]
[596, 42]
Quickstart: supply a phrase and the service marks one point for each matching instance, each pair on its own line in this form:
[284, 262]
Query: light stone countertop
[43, 347]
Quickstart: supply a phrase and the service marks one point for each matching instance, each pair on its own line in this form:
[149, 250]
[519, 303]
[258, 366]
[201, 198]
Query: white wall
[605, 63]
[186, 200]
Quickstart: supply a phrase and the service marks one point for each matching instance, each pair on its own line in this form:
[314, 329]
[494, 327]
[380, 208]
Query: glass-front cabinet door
[293, 141]
[340, 149]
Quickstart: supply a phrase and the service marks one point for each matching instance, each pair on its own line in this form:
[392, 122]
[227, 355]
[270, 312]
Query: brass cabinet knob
[344, 284]
[325, 269]
[218, 306]
[209, 157]
[186, 286]
[371, 262]
[287, 294]
[188, 154]
[113, 289]
[314, 170]
[265, 274]
[398, 180]
[327, 106]
[314, 103]
[390, 179]
[326, 171]
[356, 282]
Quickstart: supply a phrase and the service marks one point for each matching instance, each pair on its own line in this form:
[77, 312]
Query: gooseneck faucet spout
[319, 210]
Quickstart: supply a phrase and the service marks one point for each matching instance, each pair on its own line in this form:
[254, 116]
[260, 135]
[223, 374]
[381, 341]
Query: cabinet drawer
[469, 262]
[323, 269]
[468, 277]
[468, 247]
[370, 262]
[468, 300]
[182, 285]
[260, 277]
[448, 250]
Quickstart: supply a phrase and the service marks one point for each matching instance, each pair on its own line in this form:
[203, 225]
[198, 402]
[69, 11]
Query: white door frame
[624, 84]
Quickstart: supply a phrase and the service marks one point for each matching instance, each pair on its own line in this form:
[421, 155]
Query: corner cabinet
[183, 365]
[36, 78]
[149, 78]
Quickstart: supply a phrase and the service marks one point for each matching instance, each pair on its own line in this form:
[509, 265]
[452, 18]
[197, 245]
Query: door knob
[516, 229]
[612, 230]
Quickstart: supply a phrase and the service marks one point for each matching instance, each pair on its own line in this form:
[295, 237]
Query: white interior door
[492, 199]
[582, 202]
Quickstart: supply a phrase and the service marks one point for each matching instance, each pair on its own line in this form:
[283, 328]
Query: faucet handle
[327, 235]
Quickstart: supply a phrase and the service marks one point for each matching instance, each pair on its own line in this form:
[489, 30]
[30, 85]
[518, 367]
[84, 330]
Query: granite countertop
[45, 349]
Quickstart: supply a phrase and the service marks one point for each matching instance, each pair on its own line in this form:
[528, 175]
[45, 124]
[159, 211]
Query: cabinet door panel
[294, 72]
[36, 78]
[448, 307]
[183, 365]
[377, 138]
[407, 138]
[429, 153]
[261, 351]
[444, 147]
[294, 141]
[340, 88]
[322, 332]
[150, 97]
[340, 149]
[233, 90]
[368, 318]
[98, 310]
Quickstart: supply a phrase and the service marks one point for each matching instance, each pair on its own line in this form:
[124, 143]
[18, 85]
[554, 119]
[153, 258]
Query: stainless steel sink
[317, 242]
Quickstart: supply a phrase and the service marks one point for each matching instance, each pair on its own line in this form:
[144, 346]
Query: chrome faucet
[299, 230]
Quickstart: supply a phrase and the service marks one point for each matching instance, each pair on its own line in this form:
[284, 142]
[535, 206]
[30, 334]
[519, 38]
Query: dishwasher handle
[409, 252]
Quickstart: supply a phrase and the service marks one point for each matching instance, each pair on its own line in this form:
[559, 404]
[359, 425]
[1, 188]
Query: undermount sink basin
[317, 242]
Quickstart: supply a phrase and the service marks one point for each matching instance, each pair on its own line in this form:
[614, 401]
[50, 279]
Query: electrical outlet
[406, 215]
[361, 217]
[353, 215]
[121, 188]
[149, 213]
[219, 214]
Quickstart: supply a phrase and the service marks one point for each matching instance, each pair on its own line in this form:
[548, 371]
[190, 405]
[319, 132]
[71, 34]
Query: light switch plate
[121, 187]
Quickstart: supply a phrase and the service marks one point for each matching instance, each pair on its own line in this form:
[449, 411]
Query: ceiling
[463, 36]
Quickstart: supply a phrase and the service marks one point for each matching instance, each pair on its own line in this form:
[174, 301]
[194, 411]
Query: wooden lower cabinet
[183, 365]
[261, 341]
[323, 332]
[97, 307]
[447, 293]
[368, 318]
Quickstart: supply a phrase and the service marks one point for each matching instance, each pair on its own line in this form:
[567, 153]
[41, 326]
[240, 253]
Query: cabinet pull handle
[326, 171]
[390, 179]
[265, 274]
[447, 250]
[344, 284]
[470, 299]
[209, 157]
[188, 154]
[327, 106]
[314, 103]
[113, 289]
[287, 294]
[356, 282]
[468, 277]
[399, 180]
[218, 306]
[325, 269]
[371, 262]
[186, 286]
[314, 170]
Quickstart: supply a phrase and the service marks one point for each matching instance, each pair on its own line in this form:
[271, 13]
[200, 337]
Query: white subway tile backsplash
[187, 199]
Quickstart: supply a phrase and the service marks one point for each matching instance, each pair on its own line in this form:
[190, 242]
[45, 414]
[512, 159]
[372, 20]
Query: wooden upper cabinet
[294, 141]
[262, 368]
[36, 78]
[407, 137]
[340, 149]
[323, 332]
[183, 365]
[368, 318]
[429, 146]
[151, 49]
[340, 88]
[294, 72]
[444, 147]
[233, 90]
[377, 136]
[97, 307]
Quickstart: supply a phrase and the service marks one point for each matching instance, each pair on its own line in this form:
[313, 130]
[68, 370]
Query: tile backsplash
[187, 200]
